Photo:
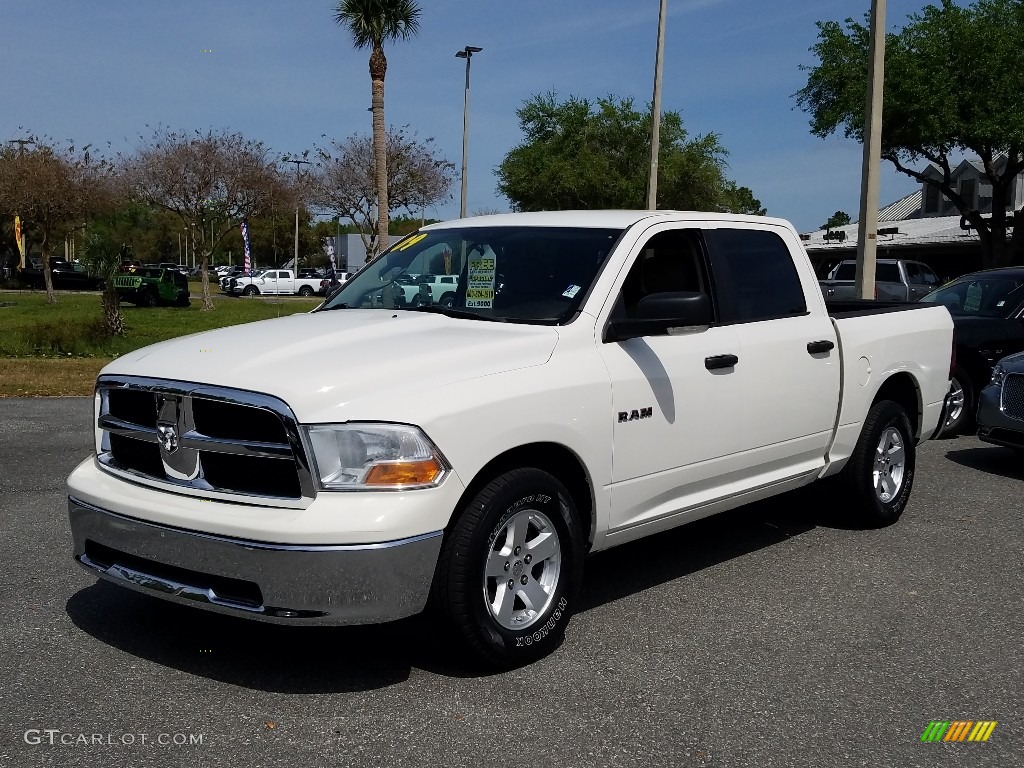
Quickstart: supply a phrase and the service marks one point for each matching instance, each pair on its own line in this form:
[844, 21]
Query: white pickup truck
[274, 281]
[601, 376]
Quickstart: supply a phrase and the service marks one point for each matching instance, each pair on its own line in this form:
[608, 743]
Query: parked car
[895, 280]
[150, 286]
[274, 282]
[232, 272]
[66, 275]
[431, 289]
[637, 371]
[1001, 405]
[988, 314]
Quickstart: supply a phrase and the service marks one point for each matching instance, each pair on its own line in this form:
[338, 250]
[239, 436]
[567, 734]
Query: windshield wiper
[452, 312]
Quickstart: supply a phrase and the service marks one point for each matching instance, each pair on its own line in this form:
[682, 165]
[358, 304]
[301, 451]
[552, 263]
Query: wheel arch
[902, 388]
[555, 459]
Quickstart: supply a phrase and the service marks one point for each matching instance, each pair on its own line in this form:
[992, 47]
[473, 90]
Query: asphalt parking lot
[777, 635]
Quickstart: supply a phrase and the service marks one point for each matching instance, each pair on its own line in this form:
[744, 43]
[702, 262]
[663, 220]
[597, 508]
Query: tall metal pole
[867, 226]
[298, 163]
[652, 180]
[467, 54]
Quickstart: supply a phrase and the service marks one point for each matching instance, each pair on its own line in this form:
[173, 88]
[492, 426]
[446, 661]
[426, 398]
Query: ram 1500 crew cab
[599, 377]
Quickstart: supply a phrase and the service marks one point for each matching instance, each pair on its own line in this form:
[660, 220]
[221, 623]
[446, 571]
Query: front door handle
[814, 347]
[720, 361]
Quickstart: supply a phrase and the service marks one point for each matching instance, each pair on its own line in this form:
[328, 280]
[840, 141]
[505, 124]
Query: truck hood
[319, 363]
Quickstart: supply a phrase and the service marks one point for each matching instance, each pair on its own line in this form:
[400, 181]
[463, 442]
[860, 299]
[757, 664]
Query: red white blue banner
[245, 246]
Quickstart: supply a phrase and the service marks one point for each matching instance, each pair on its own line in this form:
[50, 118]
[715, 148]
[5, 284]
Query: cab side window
[756, 272]
[670, 262]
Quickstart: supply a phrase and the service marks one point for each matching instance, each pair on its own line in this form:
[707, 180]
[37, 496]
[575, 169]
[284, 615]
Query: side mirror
[658, 312]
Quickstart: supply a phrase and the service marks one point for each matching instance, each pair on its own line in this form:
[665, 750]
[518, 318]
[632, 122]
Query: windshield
[516, 274]
[983, 296]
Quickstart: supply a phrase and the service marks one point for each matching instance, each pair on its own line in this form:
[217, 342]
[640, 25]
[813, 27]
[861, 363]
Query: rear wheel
[880, 472]
[305, 290]
[447, 300]
[511, 567]
[961, 409]
[182, 300]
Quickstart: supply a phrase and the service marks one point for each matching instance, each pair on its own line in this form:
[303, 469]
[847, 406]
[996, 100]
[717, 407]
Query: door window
[756, 272]
[669, 262]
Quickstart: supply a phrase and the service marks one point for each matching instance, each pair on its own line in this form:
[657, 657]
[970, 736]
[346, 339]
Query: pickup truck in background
[275, 282]
[895, 280]
[600, 376]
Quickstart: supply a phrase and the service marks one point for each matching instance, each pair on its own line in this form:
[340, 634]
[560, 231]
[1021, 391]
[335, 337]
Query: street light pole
[298, 163]
[652, 179]
[467, 54]
[867, 227]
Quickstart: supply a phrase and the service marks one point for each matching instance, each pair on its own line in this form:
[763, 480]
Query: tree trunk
[378, 69]
[51, 297]
[204, 271]
[112, 317]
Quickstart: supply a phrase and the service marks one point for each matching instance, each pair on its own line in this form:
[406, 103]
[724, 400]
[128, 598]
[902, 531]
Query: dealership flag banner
[20, 240]
[245, 246]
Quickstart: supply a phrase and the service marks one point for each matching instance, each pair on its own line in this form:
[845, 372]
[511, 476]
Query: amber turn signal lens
[404, 473]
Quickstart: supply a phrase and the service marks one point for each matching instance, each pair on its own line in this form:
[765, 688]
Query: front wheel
[250, 290]
[511, 567]
[880, 472]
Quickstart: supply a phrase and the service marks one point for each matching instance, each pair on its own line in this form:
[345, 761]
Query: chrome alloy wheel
[956, 401]
[890, 464]
[524, 560]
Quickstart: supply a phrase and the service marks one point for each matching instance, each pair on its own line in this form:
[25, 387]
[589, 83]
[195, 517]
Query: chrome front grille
[1013, 396]
[209, 441]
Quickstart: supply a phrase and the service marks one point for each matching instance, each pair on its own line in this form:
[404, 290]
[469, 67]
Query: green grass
[29, 327]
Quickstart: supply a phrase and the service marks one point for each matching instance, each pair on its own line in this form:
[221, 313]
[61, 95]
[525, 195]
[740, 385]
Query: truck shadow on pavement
[991, 459]
[274, 658]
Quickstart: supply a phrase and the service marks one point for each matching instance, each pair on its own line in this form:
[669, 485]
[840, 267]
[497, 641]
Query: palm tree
[371, 23]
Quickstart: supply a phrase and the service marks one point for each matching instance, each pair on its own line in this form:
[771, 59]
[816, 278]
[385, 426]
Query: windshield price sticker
[480, 287]
[973, 301]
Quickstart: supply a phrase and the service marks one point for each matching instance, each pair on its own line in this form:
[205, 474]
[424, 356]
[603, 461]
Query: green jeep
[149, 286]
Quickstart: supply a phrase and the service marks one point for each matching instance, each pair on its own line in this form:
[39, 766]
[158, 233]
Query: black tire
[146, 299]
[864, 472]
[182, 299]
[447, 300]
[305, 290]
[250, 290]
[465, 596]
[962, 419]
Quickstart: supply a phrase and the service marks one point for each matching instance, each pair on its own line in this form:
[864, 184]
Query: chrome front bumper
[303, 584]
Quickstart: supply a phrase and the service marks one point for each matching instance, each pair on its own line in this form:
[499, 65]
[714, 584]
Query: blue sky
[285, 73]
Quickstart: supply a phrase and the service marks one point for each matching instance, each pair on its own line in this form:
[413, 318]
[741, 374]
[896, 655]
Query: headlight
[375, 457]
[998, 374]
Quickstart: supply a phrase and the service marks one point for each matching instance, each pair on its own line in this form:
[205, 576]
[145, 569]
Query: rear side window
[756, 276]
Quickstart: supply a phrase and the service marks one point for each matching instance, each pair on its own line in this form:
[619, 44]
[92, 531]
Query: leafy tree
[54, 188]
[210, 181]
[595, 154]
[952, 85]
[344, 180]
[372, 23]
[837, 219]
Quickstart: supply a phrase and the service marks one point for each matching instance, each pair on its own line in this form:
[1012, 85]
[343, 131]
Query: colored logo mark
[959, 730]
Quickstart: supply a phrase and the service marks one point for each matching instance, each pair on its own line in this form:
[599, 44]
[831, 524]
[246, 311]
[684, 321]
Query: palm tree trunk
[207, 299]
[112, 317]
[378, 70]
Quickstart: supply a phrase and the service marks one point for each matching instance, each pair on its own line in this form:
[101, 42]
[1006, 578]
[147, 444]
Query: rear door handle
[720, 361]
[814, 347]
